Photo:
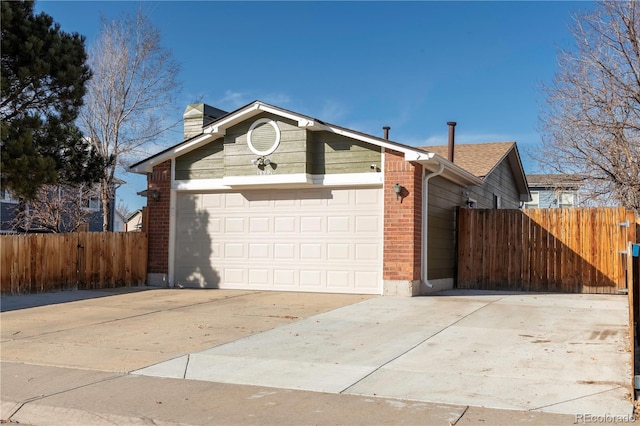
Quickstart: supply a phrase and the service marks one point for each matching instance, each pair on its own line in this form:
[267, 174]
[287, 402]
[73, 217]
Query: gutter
[425, 220]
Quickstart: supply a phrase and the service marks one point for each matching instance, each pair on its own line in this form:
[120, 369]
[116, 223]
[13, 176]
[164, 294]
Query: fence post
[633, 312]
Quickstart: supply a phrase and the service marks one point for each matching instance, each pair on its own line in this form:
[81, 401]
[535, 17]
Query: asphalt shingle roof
[478, 159]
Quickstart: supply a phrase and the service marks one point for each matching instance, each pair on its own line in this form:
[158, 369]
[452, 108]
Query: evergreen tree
[42, 83]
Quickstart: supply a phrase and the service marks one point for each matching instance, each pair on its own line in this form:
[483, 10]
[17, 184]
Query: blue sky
[362, 65]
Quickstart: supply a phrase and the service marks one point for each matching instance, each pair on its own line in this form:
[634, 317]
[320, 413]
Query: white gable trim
[190, 145]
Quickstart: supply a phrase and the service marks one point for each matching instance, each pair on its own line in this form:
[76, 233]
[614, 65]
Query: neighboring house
[8, 205]
[554, 190]
[134, 222]
[264, 198]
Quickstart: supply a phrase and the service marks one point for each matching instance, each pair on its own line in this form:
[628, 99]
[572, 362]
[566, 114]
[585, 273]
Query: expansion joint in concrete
[41, 397]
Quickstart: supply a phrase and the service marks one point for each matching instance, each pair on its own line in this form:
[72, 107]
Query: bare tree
[57, 208]
[134, 83]
[591, 122]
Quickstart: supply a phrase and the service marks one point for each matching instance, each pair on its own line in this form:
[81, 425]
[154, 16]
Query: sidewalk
[39, 395]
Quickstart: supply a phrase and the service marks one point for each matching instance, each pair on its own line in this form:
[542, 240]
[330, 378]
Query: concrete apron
[555, 353]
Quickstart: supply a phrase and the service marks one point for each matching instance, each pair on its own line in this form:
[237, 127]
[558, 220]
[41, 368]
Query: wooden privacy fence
[36, 263]
[546, 250]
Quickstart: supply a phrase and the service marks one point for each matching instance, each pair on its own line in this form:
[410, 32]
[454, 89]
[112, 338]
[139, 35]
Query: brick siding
[402, 218]
[158, 218]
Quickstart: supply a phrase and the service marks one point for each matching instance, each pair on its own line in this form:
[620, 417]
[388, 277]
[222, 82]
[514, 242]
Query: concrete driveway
[545, 353]
[556, 353]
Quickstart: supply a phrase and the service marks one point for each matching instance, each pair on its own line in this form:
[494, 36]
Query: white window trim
[276, 143]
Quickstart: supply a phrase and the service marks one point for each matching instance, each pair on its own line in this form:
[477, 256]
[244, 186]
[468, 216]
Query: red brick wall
[402, 218]
[158, 217]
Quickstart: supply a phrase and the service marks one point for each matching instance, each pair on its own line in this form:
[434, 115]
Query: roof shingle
[478, 159]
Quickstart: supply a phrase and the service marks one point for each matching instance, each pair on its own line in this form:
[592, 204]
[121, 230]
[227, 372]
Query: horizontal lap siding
[444, 197]
[499, 182]
[330, 153]
[289, 158]
[299, 151]
[206, 162]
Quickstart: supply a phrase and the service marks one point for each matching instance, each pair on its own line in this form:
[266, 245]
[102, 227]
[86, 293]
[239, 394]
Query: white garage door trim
[316, 240]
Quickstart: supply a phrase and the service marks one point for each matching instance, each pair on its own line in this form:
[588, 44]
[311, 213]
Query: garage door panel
[232, 200]
[211, 201]
[338, 251]
[364, 280]
[310, 278]
[285, 224]
[234, 224]
[368, 197]
[338, 224]
[259, 277]
[259, 251]
[259, 224]
[214, 224]
[311, 224]
[216, 253]
[284, 278]
[233, 276]
[190, 203]
[311, 251]
[340, 198]
[367, 223]
[339, 279]
[307, 240]
[366, 252]
[234, 250]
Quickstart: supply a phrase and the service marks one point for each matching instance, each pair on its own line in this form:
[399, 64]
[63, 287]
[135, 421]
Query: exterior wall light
[397, 188]
[155, 194]
[261, 161]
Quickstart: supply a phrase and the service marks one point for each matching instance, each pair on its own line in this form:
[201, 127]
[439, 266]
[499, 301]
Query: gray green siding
[299, 151]
[330, 153]
[206, 162]
[500, 182]
[444, 197]
[290, 156]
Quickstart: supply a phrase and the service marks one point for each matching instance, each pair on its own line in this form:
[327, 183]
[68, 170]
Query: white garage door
[321, 240]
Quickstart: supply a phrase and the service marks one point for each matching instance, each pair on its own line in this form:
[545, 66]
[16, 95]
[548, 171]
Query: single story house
[550, 191]
[264, 198]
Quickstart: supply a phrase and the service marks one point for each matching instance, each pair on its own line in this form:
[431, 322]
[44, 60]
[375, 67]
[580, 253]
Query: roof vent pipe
[386, 132]
[452, 136]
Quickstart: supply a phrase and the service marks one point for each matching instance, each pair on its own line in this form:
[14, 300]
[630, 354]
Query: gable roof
[481, 159]
[133, 214]
[218, 127]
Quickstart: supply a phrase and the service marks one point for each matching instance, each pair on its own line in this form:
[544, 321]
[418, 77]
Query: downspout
[425, 221]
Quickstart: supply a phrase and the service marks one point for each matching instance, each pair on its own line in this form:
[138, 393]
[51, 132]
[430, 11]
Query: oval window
[263, 137]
